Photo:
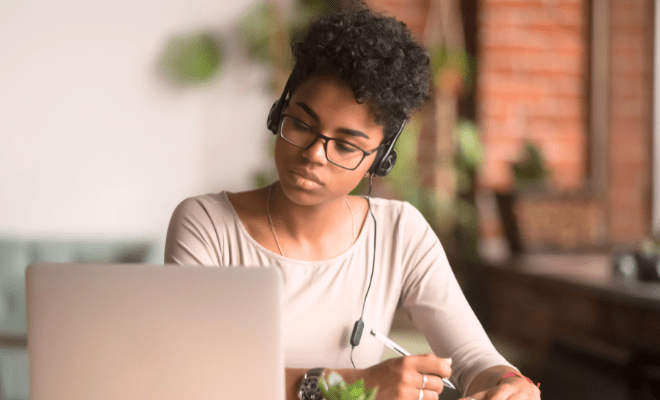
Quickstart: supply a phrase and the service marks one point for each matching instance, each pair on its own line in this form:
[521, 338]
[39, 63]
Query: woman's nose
[316, 151]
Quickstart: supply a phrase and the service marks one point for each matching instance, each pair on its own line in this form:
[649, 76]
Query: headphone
[383, 163]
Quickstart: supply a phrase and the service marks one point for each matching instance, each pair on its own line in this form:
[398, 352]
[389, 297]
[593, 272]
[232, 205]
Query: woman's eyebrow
[308, 110]
[352, 132]
[316, 118]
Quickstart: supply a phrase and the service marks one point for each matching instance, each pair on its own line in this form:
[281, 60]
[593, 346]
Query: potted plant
[530, 173]
[337, 389]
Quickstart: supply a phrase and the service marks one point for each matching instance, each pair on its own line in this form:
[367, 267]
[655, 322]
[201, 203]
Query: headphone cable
[359, 325]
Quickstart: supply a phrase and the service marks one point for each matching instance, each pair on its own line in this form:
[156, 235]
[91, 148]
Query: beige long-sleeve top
[323, 299]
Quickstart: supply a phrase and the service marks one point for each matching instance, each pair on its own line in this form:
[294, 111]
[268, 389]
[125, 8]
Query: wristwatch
[309, 386]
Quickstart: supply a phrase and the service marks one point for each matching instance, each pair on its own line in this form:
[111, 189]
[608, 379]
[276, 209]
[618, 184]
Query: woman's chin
[302, 193]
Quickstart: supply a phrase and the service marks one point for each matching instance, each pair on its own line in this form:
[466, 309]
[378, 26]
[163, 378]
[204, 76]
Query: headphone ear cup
[385, 166]
[273, 121]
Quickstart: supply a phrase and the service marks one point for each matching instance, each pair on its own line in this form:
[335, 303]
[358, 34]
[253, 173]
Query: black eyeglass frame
[326, 139]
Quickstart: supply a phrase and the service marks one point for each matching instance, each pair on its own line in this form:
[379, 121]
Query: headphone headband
[275, 114]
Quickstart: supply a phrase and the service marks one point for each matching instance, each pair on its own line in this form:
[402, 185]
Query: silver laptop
[154, 332]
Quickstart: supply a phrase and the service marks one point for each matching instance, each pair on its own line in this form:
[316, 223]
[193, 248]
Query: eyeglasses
[338, 152]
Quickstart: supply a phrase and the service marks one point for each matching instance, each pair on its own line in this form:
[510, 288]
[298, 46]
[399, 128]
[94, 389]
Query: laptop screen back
[154, 332]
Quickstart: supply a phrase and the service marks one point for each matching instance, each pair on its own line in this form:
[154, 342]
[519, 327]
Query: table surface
[592, 272]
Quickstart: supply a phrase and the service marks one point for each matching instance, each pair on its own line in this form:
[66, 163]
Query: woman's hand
[509, 388]
[402, 378]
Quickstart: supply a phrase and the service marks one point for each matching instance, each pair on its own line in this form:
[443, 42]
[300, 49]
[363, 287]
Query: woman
[343, 258]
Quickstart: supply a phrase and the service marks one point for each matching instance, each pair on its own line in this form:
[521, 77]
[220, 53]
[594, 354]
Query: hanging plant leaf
[256, 27]
[453, 68]
[260, 26]
[320, 6]
[470, 151]
[405, 176]
[192, 58]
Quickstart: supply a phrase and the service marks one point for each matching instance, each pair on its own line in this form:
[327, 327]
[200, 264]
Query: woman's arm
[433, 299]
[293, 377]
[491, 384]
[399, 378]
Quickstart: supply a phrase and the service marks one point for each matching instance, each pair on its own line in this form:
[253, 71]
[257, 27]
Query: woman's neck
[324, 228]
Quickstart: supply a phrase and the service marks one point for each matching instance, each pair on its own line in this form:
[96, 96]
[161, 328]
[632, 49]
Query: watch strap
[309, 386]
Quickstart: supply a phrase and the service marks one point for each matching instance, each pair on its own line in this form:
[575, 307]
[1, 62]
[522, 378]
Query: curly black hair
[375, 55]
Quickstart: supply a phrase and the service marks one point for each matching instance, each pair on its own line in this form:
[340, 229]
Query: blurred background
[534, 160]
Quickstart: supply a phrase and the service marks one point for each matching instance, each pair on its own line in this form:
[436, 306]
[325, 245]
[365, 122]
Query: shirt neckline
[367, 226]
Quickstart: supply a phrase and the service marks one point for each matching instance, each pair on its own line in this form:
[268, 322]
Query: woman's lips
[305, 180]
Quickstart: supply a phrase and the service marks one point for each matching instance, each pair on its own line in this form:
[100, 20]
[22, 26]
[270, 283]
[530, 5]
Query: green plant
[340, 390]
[267, 33]
[453, 68]
[192, 58]
[468, 157]
[532, 170]
[258, 27]
[453, 216]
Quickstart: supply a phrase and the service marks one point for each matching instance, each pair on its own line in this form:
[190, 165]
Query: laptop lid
[154, 332]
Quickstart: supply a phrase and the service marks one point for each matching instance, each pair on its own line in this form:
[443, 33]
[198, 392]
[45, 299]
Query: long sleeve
[435, 303]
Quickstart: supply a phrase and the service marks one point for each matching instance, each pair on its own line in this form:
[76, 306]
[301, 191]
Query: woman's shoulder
[392, 208]
[400, 215]
[210, 206]
[246, 200]
[203, 201]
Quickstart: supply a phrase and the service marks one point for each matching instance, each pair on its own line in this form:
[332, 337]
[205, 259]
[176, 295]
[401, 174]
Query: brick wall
[630, 129]
[412, 12]
[532, 86]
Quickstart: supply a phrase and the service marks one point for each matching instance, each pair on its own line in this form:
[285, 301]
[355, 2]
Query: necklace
[272, 227]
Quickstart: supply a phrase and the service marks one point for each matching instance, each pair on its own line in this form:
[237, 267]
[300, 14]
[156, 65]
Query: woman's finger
[433, 383]
[430, 364]
[426, 395]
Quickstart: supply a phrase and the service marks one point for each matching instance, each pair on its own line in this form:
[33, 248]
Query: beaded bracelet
[510, 374]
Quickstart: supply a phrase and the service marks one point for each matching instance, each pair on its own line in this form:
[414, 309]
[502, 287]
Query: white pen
[387, 342]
